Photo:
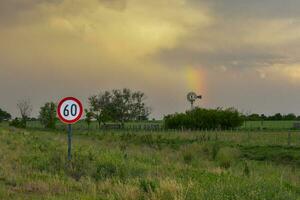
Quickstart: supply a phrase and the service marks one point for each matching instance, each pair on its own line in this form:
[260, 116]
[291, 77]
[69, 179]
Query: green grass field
[249, 125]
[269, 125]
[165, 165]
[81, 125]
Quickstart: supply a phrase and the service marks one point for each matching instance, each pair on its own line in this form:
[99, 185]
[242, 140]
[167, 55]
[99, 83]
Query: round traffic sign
[69, 110]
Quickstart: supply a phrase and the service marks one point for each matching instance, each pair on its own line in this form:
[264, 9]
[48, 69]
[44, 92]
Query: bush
[4, 116]
[205, 119]
[18, 123]
[48, 115]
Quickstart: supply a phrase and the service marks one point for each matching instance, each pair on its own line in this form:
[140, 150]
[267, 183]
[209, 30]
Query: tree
[48, 115]
[100, 106]
[128, 105]
[119, 105]
[4, 116]
[277, 117]
[17, 123]
[88, 117]
[25, 109]
[290, 117]
[254, 117]
[140, 111]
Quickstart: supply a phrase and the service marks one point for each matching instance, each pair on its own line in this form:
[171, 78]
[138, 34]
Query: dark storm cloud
[241, 58]
[11, 11]
[253, 8]
[233, 38]
[54, 48]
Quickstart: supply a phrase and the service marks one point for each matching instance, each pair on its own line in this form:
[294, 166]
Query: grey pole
[69, 141]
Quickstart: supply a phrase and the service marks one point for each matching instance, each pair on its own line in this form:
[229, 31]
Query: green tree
[100, 106]
[47, 115]
[119, 105]
[88, 117]
[140, 111]
[17, 123]
[4, 116]
[290, 117]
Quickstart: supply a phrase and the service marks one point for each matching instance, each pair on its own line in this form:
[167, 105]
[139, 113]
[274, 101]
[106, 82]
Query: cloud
[80, 46]
[239, 44]
[259, 9]
[94, 31]
[14, 12]
[281, 72]
[115, 4]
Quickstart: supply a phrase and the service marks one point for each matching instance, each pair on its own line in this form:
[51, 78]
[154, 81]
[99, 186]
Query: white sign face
[70, 110]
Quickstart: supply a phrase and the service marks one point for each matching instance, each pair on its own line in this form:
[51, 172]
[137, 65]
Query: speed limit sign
[69, 110]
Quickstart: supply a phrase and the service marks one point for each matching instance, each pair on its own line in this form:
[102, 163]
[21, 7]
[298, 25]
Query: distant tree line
[109, 106]
[120, 106]
[201, 119]
[275, 117]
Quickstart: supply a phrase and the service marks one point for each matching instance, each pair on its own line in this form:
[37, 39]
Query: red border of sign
[62, 118]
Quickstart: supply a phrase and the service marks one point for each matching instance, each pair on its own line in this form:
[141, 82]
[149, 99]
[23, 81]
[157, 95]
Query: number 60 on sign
[69, 110]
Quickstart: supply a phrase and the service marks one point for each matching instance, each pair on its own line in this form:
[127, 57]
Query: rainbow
[195, 79]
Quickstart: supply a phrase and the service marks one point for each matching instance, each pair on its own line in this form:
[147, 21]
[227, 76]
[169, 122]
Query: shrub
[48, 115]
[205, 119]
[4, 116]
[18, 123]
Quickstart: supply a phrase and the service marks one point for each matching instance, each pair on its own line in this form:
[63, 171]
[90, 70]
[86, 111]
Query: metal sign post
[69, 111]
[69, 142]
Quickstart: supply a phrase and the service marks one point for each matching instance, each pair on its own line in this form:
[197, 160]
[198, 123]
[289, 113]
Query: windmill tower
[192, 97]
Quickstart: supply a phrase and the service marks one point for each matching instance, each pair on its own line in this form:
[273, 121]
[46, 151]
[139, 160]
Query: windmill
[192, 97]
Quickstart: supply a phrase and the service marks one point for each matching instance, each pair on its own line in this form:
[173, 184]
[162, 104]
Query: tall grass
[125, 165]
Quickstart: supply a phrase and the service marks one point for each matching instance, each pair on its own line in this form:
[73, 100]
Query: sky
[236, 53]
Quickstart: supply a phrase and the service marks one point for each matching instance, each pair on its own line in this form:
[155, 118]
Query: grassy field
[269, 125]
[248, 125]
[81, 125]
[169, 165]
